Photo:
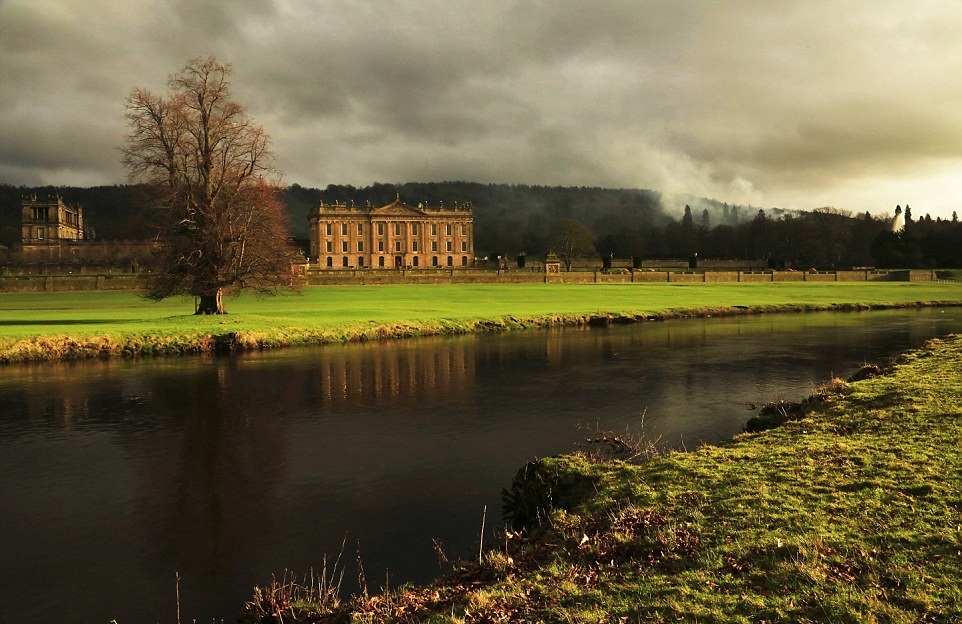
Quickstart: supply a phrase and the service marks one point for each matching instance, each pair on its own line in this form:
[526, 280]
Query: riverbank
[849, 514]
[83, 325]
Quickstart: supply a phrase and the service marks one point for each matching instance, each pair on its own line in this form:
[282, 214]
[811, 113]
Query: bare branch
[224, 226]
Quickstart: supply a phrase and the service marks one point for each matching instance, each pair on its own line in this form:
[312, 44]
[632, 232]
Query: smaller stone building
[50, 229]
[393, 236]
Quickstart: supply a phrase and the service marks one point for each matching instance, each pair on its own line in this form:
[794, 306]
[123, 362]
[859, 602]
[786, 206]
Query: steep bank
[851, 514]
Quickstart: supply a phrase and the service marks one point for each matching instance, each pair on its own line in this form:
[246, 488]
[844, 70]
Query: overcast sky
[852, 104]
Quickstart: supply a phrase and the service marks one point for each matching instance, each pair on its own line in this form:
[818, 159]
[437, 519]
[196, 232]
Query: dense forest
[515, 219]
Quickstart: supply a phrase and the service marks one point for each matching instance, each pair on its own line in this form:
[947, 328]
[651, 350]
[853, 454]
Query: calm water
[117, 475]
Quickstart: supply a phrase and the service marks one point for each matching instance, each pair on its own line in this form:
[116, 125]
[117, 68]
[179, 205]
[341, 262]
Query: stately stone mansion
[393, 236]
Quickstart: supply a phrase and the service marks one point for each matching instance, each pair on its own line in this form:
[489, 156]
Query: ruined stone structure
[50, 229]
[393, 236]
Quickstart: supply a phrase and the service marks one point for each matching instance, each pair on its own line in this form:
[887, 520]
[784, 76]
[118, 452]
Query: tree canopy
[208, 164]
[571, 239]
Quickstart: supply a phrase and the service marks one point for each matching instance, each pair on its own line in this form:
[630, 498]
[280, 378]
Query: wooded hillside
[511, 219]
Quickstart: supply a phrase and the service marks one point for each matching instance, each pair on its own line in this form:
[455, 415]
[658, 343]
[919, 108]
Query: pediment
[399, 208]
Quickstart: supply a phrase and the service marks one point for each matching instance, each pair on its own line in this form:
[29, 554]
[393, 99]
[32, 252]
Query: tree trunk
[212, 303]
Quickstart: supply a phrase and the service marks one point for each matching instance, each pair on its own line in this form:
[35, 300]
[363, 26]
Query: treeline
[508, 219]
[515, 219]
[624, 223]
[825, 238]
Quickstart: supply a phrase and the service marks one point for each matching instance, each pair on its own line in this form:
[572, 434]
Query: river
[115, 476]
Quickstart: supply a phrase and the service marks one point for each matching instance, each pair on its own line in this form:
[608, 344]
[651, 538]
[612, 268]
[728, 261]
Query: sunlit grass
[335, 313]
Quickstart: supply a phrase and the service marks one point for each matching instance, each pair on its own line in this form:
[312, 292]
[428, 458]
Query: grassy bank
[851, 514]
[75, 325]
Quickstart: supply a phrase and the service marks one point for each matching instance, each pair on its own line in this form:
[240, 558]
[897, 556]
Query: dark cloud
[770, 102]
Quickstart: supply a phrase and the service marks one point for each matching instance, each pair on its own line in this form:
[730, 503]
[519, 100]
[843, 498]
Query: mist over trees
[627, 223]
[624, 223]
[508, 219]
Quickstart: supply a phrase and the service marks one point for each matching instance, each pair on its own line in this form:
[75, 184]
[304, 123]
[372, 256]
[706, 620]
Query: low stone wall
[762, 276]
[788, 276]
[820, 277]
[569, 277]
[721, 276]
[618, 276]
[355, 277]
[59, 283]
[649, 277]
[686, 277]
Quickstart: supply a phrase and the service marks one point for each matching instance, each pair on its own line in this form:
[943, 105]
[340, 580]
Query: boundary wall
[617, 276]
[58, 283]
[312, 276]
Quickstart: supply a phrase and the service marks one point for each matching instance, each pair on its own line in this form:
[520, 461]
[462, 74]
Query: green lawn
[333, 313]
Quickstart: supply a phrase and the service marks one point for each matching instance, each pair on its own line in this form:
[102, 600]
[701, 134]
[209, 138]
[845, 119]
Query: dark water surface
[115, 476]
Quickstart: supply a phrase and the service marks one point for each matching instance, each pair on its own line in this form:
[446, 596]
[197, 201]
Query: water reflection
[116, 475]
[392, 372]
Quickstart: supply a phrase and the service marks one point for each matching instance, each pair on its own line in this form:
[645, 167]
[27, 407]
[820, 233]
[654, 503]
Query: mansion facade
[393, 236]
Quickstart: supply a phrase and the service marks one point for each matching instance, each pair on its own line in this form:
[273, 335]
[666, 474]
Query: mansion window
[360, 261]
[380, 229]
[398, 228]
[414, 246]
[464, 261]
[434, 261]
[343, 246]
[397, 245]
[344, 229]
[360, 229]
[450, 261]
[344, 261]
[360, 245]
[464, 246]
[330, 247]
[448, 229]
[328, 229]
[330, 261]
[380, 261]
[449, 246]
[464, 229]
[434, 229]
[415, 260]
[434, 245]
[414, 229]
[380, 246]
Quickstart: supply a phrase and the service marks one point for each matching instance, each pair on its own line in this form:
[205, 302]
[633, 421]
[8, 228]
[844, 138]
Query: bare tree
[571, 239]
[222, 226]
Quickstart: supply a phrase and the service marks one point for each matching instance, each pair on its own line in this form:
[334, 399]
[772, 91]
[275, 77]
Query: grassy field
[851, 514]
[67, 325]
